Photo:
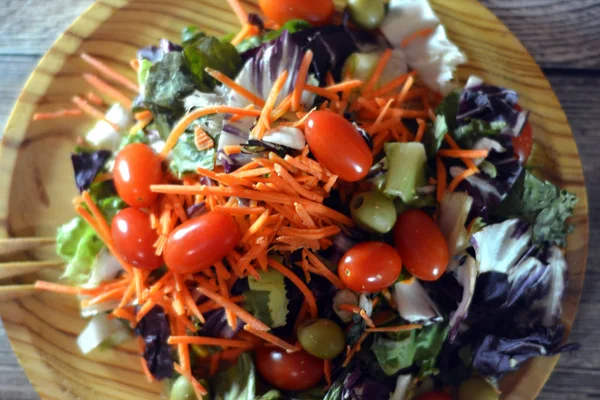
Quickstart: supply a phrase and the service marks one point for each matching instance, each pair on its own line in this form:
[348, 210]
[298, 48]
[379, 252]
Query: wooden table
[564, 38]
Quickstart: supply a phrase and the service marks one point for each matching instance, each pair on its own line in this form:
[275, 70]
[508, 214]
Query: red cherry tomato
[289, 371]
[435, 396]
[524, 143]
[370, 267]
[317, 12]
[199, 243]
[337, 145]
[136, 168]
[421, 245]
[134, 238]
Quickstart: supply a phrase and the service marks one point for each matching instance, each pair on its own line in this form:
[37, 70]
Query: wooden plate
[36, 183]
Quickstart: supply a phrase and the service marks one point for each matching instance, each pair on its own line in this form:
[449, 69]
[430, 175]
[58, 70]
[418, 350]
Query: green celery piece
[407, 170]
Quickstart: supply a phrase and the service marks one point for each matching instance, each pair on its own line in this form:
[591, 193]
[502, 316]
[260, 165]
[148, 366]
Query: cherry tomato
[435, 396]
[524, 143]
[337, 145]
[317, 12]
[199, 243]
[421, 245]
[134, 238]
[136, 168]
[289, 371]
[370, 267]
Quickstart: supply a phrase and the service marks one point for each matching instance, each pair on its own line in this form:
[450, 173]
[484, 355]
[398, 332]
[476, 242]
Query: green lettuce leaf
[418, 347]
[187, 158]
[293, 26]
[144, 71]
[267, 299]
[477, 128]
[543, 205]
[78, 244]
[139, 137]
[236, 383]
[211, 52]
[191, 34]
[445, 122]
[169, 81]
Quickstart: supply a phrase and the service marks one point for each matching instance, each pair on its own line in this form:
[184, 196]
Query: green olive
[477, 388]
[361, 65]
[367, 14]
[373, 211]
[322, 338]
[182, 389]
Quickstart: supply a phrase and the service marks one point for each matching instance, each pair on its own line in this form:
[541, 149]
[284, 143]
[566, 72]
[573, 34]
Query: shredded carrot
[246, 31]
[468, 162]
[209, 341]
[214, 364]
[110, 73]
[189, 118]
[463, 153]
[232, 149]
[264, 121]
[298, 188]
[94, 98]
[392, 85]
[73, 112]
[441, 179]
[415, 35]
[317, 233]
[421, 130]
[383, 61]
[140, 125]
[282, 108]
[399, 328]
[323, 92]
[456, 181]
[239, 11]
[355, 348]
[240, 210]
[237, 310]
[301, 80]
[405, 89]
[308, 295]
[272, 339]
[231, 354]
[346, 85]
[93, 112]
[363, 314]
[108, 89]
[382, 114]
[224, 79]
[57, 288]
[327, 372]
[134, 64]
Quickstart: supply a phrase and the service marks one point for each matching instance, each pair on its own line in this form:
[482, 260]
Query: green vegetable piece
[248, 44]
[407, 170]
[191, 34]
[476, 128]
[543, 205]
[169, 82]
[186, 158]
[78, 245]
[267, 298]
[182, 389]
[138, 137]
[361, 65]
[477, 388]
[236, 383]
[444, 123]
[211, 52]
[292, 26]
[373, 211]
[322, 338]
[367, 14]
[144, 70]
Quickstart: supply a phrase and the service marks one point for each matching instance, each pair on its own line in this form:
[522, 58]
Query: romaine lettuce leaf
[211, 52]
[169, 81]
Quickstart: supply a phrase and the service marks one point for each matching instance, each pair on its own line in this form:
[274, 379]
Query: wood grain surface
[563, 36]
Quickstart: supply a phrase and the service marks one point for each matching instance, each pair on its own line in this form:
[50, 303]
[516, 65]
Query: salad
[312, 209]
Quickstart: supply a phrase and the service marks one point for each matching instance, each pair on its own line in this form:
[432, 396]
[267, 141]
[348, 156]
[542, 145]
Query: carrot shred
[272, 339]
[317, 233]
[237, 310]
[109, 72]
[301, 80]
[57, 288]
[94, 112]
[202, 140]
[346, 85]
[108, 89]
[246, 31]
[376, 125]
[463, 153]
[415, 35]
[468, 162]
[405, 89]
[198, 388]
[134, 64]
[240, 210]
[94, 98]
[352, 351]
[209, 341]
[327, 372]
[383, 61]
[441, 179]
[399, 328]
[323, 92]
[224, 79]
[308, 296]
[456, 181]
[421, 130]
[324, 271]
[285, 175]
[140, 125]
[392, 85]
[73, 112]
[214, 364]
[264, 121]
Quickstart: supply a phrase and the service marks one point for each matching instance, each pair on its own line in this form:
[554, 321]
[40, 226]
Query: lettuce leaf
[169, 81]
[403, 350]
[543, 205]
[78, 244]
[267, 298]
[187, 158]
[236, 383]
[211, 52]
